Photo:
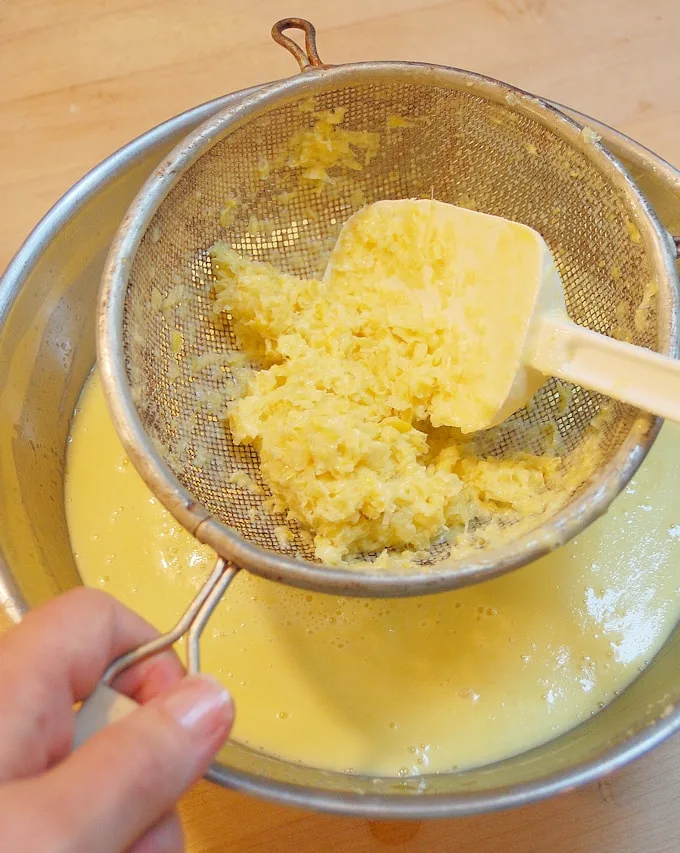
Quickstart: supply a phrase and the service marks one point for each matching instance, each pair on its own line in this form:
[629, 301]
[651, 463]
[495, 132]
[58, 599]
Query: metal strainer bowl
[443, 133]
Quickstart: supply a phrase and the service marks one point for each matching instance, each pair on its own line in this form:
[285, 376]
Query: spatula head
[463, 287]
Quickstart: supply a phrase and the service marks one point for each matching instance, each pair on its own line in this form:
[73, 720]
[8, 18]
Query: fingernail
[200, 704]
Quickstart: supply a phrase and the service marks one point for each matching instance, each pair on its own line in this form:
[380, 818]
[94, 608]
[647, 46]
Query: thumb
[126, 777]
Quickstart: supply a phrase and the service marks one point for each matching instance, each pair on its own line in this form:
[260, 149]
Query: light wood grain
[79, 78]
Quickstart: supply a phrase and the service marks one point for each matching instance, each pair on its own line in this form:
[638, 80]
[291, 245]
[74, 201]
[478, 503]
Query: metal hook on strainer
[307, 58]
[460, 134]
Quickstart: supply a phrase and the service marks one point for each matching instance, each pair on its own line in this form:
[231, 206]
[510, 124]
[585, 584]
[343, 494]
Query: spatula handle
[623, 371]
[103, 707]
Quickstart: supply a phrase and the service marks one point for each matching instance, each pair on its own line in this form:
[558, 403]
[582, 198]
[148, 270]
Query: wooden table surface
[79, 78]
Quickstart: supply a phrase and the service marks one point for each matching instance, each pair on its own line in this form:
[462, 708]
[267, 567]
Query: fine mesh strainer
[443, 133]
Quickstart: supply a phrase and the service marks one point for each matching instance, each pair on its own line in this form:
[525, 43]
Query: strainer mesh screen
[456, 147]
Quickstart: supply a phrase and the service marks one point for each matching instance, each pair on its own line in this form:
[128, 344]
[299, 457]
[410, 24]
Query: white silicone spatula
[505, 299]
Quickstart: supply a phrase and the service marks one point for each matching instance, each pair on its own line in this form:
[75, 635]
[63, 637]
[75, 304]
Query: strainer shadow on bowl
[47, 320]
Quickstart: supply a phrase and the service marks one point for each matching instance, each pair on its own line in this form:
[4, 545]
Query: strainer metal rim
[573, 518]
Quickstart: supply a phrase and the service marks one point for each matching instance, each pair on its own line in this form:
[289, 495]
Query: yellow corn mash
[317, 151]
[338, 407]
[320, 154]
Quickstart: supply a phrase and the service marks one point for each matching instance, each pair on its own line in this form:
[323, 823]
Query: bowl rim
[392, 806]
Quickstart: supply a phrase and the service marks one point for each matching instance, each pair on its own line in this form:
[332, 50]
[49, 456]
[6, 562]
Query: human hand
[118, 791]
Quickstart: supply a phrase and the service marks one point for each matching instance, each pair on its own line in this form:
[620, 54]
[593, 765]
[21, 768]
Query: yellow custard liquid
[397, 687]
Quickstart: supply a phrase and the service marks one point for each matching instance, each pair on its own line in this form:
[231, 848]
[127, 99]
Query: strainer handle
[106, 705]
[307, 58]
[631, 374]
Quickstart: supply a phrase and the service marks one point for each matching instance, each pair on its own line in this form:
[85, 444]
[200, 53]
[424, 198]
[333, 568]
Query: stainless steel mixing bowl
[47, 347]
